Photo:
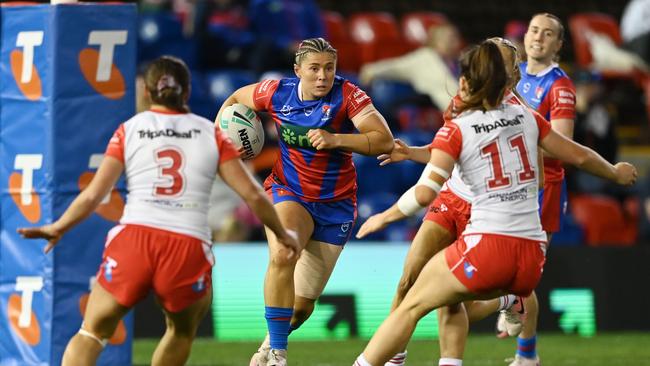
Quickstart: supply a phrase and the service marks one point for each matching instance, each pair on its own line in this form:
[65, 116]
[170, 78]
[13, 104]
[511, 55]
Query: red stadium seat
[335, 27]
[604, 220]
[580, 24]
[415, 26]
[377, 36]
[338, 35]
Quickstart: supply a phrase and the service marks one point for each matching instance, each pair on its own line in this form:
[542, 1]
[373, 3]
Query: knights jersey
[312, 175]
[455, 182]
[170, 161]
[552, 94]
[496, 155]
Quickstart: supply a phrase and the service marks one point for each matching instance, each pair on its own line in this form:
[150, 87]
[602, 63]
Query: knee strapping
[85, 333]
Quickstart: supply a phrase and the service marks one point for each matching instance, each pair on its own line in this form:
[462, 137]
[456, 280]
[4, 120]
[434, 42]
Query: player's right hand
[401, 152]
[373, 224]
[625, 174]
[290, 240]
[47, 232]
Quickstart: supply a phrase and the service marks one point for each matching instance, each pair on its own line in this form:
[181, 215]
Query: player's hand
[401, 151]
[290, 240]
[321, 139]
[47, 232]
[625, 174]
[373, 224]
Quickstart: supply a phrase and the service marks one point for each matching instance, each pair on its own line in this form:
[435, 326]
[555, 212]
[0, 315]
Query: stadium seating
[377, 35]
[201, 102]
[386, 94]
[415, 26]
[604, 220]
[161, 33]
[372, 178]
[337, 34]
[221, 84]
[580, 25]
[374, 203]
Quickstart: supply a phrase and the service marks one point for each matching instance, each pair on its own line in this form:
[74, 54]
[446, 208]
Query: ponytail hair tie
[168, 81]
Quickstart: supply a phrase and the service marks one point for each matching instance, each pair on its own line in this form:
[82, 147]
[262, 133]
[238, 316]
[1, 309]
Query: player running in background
[546, 88]
[501, 250]
[313, 183]
[163, 241]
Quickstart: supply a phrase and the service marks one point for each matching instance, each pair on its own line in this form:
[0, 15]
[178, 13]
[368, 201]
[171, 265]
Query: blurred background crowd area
[382, 45]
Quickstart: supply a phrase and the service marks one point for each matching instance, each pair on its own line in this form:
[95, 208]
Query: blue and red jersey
[552, 94]
[312, 175]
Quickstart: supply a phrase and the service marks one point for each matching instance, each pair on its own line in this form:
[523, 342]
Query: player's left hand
[321, 139]
[47, 232]
[373, 224]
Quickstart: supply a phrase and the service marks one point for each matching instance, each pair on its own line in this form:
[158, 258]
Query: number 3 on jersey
[170, 171]
[501, 179]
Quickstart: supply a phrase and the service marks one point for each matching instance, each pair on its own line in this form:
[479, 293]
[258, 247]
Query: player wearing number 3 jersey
[502, 248]
[170, 158]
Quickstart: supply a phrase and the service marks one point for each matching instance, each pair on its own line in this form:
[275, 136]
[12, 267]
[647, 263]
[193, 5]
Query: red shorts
[449, 211]
[488, 262]
[553, 202]
[139, 258]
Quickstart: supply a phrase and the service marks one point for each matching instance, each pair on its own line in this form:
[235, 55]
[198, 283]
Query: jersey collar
[543, 72]
[162, 111]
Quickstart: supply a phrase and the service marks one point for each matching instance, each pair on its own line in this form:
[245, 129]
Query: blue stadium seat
[373, 179]
[201, 102]
[221, 84]
[158, 27]
[372, 204]
[161, 33]
[386, 94]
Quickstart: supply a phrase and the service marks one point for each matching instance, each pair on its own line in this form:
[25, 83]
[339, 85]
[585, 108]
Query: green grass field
[605, 349]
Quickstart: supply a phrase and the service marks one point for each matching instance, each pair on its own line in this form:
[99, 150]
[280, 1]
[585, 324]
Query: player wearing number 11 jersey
[501, 249]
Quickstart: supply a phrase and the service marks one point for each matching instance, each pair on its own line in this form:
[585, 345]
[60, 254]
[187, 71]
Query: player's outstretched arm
[240, 180]
[401, 151]
[374, 136]
[588, 160]
[417, 197]
[86, 202]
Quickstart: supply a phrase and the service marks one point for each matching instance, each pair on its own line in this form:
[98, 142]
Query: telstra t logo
[97, 65]
[23, 69]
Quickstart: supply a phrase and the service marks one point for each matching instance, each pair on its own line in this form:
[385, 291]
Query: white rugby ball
[245, 129]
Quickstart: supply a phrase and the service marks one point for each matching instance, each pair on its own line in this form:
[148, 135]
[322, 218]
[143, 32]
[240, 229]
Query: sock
[506, 302]
[277, 320]
[526, 347]
[398, 360]
[361, 361]
[450, 362]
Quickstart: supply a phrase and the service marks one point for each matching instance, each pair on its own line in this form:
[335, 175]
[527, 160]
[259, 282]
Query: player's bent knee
[280, 258]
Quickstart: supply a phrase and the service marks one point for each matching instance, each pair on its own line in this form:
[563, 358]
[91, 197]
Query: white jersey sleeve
[496, 154]
[170, 163]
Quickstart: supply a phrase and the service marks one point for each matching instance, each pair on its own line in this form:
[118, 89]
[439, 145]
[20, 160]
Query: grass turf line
[604, 349]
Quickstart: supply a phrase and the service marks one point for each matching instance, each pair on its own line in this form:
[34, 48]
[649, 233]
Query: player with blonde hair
[313, 182]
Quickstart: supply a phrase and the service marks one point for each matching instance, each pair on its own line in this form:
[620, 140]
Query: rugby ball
[244, 128]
